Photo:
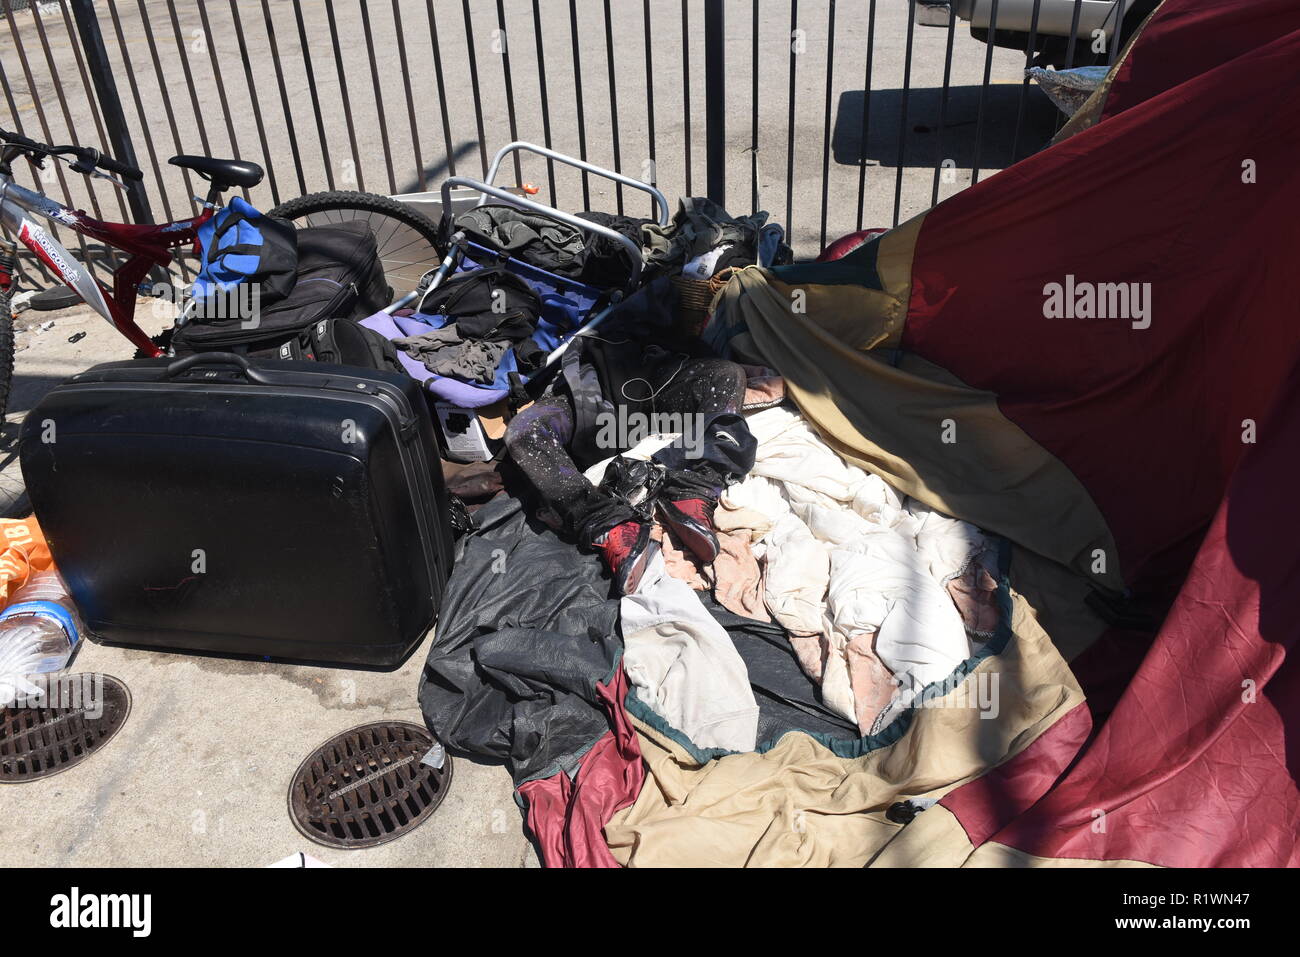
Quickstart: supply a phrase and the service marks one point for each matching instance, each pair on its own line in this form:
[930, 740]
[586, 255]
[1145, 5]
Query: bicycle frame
[147, 246]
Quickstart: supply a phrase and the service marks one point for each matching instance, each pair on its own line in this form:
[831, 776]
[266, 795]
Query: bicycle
[151, 246]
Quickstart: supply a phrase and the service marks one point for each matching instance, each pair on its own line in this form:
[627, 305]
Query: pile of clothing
[880, 597]
[833, 606]
[474, 319]
[701, 240]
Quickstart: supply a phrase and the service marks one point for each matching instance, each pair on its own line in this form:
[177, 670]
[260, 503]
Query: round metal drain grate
[368, 785]
[76, 716]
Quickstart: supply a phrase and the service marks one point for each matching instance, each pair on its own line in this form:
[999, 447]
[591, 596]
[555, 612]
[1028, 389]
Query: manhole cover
[74, 718]
[368, 785]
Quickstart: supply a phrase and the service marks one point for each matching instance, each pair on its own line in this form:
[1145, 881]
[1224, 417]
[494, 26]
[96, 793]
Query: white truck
[1051, 23]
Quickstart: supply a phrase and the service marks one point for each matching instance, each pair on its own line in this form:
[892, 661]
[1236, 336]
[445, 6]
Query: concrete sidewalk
[199, 773]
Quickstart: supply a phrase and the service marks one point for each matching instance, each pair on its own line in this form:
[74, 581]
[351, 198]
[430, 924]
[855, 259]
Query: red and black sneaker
[627, 550]
[691, 519]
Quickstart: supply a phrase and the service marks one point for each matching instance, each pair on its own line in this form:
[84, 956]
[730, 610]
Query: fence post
[715, 102]
[110, 104]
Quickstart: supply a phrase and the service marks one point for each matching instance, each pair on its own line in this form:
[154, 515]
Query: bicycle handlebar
[96, 158]
[87, 158]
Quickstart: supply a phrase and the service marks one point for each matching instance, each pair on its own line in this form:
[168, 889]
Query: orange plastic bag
[25, 551]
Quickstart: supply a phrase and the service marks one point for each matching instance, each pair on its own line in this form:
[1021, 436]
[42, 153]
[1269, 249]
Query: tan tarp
[925, 432]
[935, 839]
[799, 804]
[1089, 114]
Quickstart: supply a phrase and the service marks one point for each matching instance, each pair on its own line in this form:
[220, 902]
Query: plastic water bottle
[39, 632]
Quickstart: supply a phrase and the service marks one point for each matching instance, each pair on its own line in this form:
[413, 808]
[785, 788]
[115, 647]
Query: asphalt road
[307, 149]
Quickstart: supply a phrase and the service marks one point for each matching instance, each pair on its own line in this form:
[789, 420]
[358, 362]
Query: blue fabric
[565, 306]
[565, 303]
[220, 272]
[466, 395]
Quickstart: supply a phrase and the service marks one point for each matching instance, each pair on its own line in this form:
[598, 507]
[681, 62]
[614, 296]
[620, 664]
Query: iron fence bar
[984, 89]
[577, 90]
[510, 86]
[134, 87]
[473, 79]
[753, 102]
[47, 136]
[789, 146]
[650, 95]
[284, 97]
[167, 107]
[256, 102]
[1117, 41]
[92, 43]
[18, 128]
[220, 82]
[314, 93]
[866, 111]
[943, 106]
[442, 88]
[91, 100]
[546, 105]
[715, 100]
[686, 93]
[410, 100]
[171, 123]
[1030, 43]
[379, 95]
[613, 104]
[902, 108]
[189, 77]
[826, 126]
[343, 93]
[1074, 33]
[63, 101]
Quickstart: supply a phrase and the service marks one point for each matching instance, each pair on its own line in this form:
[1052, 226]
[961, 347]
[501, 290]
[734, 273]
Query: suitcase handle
[217, 359]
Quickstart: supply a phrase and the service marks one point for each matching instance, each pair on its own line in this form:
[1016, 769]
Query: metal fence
[831, 116]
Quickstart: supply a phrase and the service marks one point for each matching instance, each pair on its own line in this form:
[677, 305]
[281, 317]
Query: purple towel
[463, 394]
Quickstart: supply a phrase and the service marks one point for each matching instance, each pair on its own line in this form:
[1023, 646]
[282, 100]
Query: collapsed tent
[1091, 358]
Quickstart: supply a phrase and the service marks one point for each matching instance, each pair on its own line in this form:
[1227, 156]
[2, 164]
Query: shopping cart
[569, 308]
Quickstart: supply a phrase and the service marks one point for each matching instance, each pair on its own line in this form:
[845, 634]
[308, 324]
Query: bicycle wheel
[407, 240]
[6, 352]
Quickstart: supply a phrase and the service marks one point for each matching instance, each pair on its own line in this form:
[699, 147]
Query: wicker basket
[695, 297]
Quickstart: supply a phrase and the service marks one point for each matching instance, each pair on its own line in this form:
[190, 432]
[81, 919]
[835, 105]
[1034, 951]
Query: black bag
[241, 248]
[339, 276]
[486, 303]
[261, 508]
[343, 342]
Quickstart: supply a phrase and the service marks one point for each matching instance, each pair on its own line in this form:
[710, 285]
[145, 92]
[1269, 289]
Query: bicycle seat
[222, 173]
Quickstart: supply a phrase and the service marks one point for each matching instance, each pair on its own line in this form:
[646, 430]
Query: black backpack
[486, 303]
[339, 276]
[242, 248]
[342, 342]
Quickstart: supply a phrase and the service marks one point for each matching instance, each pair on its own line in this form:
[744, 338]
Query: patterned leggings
[539, 438]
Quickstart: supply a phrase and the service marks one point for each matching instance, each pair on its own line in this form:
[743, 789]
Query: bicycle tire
[6, 352]
[404, 259]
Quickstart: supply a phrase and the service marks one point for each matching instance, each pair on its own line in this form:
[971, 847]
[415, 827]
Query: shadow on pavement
[923, 146]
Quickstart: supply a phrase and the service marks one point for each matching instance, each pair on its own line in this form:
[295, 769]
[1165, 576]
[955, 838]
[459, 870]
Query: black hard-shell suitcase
[218, 504]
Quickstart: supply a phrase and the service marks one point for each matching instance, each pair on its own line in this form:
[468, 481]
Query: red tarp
[1150, 420]
[1196, 764]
